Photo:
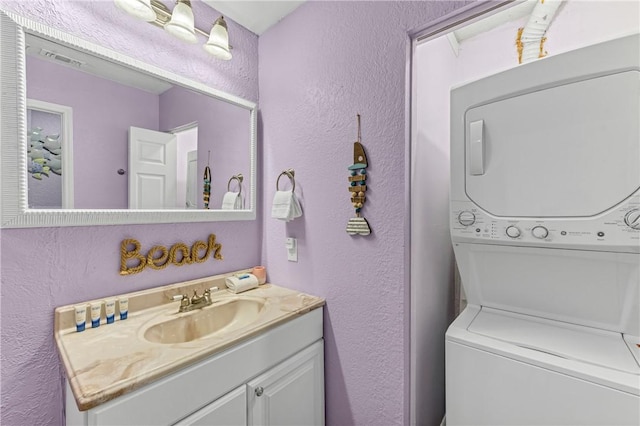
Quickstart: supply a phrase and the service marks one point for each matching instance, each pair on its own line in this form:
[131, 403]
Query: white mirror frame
[13, 137]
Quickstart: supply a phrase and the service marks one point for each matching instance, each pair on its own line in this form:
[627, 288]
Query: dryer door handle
[476, 147]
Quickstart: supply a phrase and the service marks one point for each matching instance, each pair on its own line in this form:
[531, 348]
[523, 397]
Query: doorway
[476, 42]
[49, 155]
[163, 168]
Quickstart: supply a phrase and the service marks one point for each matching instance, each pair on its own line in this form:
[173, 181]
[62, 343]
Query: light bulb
[181, 23]
[140, 9]
[218, 43]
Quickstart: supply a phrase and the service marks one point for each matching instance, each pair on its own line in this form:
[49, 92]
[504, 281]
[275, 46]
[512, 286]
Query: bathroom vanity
[153, 368]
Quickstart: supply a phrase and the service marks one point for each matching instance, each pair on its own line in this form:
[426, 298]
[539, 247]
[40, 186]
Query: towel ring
[290, 173]
[237, 177]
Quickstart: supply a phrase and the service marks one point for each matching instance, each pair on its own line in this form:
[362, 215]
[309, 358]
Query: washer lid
[593, 346]
[566, 151]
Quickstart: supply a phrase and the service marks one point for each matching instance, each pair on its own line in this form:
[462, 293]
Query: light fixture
[218, 43]
[180, 23]
[141, 9]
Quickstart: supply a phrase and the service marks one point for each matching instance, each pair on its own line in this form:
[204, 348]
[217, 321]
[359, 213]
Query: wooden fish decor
[358, 187]
[206, 193]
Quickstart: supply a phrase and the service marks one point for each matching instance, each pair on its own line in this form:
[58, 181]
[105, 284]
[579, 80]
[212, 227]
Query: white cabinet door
[174, 397]
[230, 410]
[292, 393]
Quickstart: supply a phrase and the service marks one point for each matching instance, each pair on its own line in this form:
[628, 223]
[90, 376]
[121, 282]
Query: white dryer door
[568, 151]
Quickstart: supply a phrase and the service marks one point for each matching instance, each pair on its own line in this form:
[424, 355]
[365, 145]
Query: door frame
[190, 159]
[179, 132]
[66, 133]
[447, 23]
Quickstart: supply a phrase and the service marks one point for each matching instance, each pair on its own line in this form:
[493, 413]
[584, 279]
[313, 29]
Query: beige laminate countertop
[114, 359]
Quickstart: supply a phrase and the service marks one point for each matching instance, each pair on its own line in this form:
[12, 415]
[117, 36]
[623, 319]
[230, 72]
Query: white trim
[184, 127]
[15, 212]
[461, 17]
[66, 132]
[453, 41]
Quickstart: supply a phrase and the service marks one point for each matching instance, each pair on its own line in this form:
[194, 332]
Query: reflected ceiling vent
[61, 58]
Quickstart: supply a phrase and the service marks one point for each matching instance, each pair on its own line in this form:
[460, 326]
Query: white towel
[286, 206]
[232, 201]
[242, 282]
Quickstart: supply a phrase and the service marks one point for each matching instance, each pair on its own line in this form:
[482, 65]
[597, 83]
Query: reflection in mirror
[161, 134]
[49, 153]
[98, 89]
[234, 198]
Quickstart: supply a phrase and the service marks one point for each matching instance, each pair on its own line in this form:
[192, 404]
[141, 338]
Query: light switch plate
[292, 249]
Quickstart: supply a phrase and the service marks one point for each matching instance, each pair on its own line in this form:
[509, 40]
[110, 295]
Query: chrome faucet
[196, 302]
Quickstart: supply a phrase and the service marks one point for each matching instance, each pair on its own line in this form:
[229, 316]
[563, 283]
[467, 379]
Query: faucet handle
[184, 301]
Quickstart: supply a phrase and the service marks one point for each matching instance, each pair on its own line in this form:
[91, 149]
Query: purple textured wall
[319, 67]
[103, 110]
[47, 267]
[223, 129]
[101, 22]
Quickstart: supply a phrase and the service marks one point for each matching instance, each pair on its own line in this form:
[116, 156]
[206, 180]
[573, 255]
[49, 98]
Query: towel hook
[290, 173]
[239, 178]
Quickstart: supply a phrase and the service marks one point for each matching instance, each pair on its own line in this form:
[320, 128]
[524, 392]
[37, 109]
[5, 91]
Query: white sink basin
[206, 322]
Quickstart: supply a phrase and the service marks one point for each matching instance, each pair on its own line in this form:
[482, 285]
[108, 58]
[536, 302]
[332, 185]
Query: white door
[152, 169]
[229, 410]
[291, 393]
[192, 180]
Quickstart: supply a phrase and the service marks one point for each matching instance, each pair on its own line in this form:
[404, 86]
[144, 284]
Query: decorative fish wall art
[43, 153]
[358, 187]
[206, 192]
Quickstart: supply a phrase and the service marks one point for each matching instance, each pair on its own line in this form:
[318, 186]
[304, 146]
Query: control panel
[615, 230]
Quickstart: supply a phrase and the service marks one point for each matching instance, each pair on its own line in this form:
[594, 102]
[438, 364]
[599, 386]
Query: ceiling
[259, 15]
[255, 15]
[490, 22]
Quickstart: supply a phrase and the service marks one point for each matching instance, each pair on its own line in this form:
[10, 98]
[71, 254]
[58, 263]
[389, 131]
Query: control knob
[466, 218]
[513, 231]
[540, 232]
[632, 219]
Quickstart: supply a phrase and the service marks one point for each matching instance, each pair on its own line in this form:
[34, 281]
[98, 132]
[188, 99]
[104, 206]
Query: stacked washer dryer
[545, 223]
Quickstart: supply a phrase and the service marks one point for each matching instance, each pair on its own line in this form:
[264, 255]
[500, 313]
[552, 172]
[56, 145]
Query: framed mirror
[93, 137]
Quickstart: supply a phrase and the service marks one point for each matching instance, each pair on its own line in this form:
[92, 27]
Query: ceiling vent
[61, 58]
